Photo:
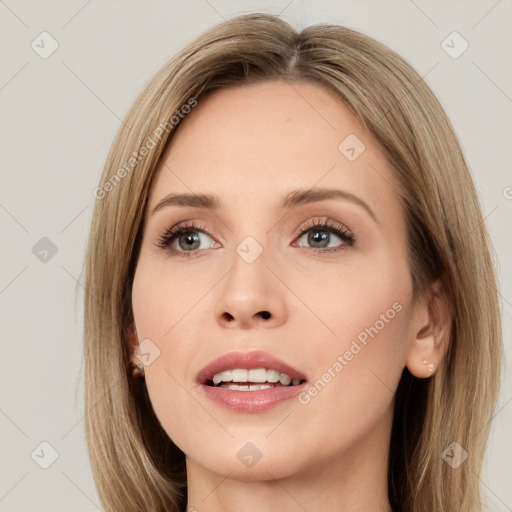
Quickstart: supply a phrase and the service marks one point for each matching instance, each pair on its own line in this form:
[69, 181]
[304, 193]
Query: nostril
[229, 317]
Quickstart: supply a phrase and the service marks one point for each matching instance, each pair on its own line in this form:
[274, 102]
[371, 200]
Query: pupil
[318, 237]
[190, 238]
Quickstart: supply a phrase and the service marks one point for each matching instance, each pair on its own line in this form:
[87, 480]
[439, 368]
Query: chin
[247, 461]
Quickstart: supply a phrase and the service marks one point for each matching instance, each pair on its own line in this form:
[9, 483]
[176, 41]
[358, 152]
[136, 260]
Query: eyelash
[332, 227]
[170, 234]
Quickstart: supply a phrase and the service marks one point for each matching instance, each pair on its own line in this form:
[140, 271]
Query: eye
[185, 238]
[319, 235]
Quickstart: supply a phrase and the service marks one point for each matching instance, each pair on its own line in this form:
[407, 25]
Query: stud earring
[429, 365]
[137, 370]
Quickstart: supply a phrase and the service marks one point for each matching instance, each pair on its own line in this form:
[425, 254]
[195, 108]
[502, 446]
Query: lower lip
[251, 401]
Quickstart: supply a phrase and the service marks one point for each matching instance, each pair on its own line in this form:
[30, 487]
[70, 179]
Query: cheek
[358, 365]
[166, 296]
[360, 295]
[163, 306]
[166, 307]
[362, 324]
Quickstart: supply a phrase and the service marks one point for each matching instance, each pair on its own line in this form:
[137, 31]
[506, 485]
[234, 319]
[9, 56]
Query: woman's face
[302, 256]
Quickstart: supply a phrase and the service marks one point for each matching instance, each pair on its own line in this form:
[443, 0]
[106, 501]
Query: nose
[251, 296]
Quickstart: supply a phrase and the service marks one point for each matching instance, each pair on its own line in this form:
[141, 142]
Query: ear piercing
[137, 370]
[429, 365]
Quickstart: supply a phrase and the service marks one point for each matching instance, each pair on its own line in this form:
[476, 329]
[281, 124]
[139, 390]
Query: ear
[133, 343]
[431, 331]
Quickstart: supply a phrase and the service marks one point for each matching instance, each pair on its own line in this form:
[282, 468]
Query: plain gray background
[58, 118]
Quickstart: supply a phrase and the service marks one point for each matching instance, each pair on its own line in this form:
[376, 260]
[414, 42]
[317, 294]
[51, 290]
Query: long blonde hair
[135, 465]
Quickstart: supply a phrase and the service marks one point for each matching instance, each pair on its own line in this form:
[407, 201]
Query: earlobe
[133, 342]
[135, 364]
[431, 332]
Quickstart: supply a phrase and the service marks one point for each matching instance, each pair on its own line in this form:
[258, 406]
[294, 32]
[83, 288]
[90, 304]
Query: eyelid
[170, 235]
[325, 222]
[331, 226]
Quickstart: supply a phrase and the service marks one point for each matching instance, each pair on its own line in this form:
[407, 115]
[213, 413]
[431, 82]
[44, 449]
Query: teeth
[256, 375]
[225, 376]
[246, 387]
[284, 379]
[239, 375]
[272, 375]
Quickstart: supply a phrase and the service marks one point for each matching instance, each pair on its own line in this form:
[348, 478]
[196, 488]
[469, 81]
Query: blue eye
[187, 236]
[319, 235]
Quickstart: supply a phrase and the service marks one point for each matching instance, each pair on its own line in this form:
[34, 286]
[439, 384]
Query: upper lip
[247, 360]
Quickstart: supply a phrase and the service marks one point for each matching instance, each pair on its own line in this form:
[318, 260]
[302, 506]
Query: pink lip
[249, 401]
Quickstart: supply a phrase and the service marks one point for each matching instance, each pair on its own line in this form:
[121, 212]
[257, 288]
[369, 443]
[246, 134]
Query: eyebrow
[290, 200]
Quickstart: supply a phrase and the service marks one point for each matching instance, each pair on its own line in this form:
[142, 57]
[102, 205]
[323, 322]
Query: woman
[291, 303]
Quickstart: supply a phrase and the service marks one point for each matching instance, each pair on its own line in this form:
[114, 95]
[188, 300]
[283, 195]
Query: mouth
[245, 369]
[250, 381]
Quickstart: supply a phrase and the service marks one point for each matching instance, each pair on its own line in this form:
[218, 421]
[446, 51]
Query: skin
[330, 453]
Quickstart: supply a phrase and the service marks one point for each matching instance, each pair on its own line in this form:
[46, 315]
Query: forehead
[250, 144]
